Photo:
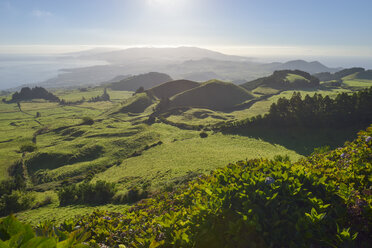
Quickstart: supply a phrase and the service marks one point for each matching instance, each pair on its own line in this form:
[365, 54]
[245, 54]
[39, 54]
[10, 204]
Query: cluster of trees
[316, 111]
[87, 193]
[63, 102]
[27, 93]
[13, 197]
[104, 97]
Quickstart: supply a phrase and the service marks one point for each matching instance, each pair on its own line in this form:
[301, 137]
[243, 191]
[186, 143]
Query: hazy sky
[276, 27]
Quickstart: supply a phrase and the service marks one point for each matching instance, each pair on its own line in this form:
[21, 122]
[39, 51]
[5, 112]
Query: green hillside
[355, 78]
[171, 88]
[327, 76]
[137, 103]
[215, 95]
[323, 200]
[284, 80]
[146, 81]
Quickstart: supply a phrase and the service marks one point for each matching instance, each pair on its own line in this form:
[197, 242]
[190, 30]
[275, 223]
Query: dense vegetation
[14, 234]
[27, 94]
[324, 200]
[317, 111]
[86, 193]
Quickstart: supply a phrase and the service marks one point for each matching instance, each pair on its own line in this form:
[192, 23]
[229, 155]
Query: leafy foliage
[14, 234]
[321, 201]
[16, 201]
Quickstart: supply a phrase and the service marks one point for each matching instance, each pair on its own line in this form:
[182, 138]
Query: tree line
[313, 112]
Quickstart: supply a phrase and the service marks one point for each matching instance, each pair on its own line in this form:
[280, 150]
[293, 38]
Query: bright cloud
[41, 13]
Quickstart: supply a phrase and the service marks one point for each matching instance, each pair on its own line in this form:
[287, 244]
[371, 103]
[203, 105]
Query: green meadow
[122, 148]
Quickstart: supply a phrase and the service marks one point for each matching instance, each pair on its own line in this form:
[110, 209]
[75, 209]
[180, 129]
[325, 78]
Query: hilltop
[213, 94]
[146, 81]
[284, 80]
[171, 88]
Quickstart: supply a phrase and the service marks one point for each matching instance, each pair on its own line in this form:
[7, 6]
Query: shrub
[280, 158]
[15, 202]
[322, 149]
[29, 147]
[14, 234]
[47, 200]
[87, 121]
[203, 135]
[87, 193]
[134, 194]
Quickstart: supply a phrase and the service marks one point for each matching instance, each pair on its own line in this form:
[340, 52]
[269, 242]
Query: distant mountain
[214, 94]
[201, 76]
[302, 65]
[284, 80]
[168, 54]
[117, 79]
[190, 63]
[169, 89]
[147, 80]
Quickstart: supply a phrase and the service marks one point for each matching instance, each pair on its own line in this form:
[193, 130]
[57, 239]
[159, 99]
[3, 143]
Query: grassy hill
[147, 80]
[213, 94]
[284, 80]
[171, 88]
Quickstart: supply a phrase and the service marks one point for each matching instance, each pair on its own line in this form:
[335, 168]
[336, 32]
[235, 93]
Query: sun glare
[168, 4]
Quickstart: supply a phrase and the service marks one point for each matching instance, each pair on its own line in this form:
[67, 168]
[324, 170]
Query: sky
[244, 27]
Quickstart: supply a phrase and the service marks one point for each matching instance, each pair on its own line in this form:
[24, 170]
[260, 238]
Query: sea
[17, 69]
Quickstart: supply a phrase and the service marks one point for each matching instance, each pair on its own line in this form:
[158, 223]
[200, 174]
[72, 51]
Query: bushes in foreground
[14, 234]
[322, 201]
[100, 192]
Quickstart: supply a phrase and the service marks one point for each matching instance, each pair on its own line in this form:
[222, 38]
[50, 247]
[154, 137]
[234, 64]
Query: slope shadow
[302, 140]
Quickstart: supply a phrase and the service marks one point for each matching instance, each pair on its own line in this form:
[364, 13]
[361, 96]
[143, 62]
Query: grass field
[174, 159]
[294, 77]
[68, 150]
[354, 82]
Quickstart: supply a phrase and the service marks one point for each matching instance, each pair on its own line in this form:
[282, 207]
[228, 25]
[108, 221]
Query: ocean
[16, 70]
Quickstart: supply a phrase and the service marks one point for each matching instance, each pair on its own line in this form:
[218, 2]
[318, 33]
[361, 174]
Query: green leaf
[40, 242]
[155, 243]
